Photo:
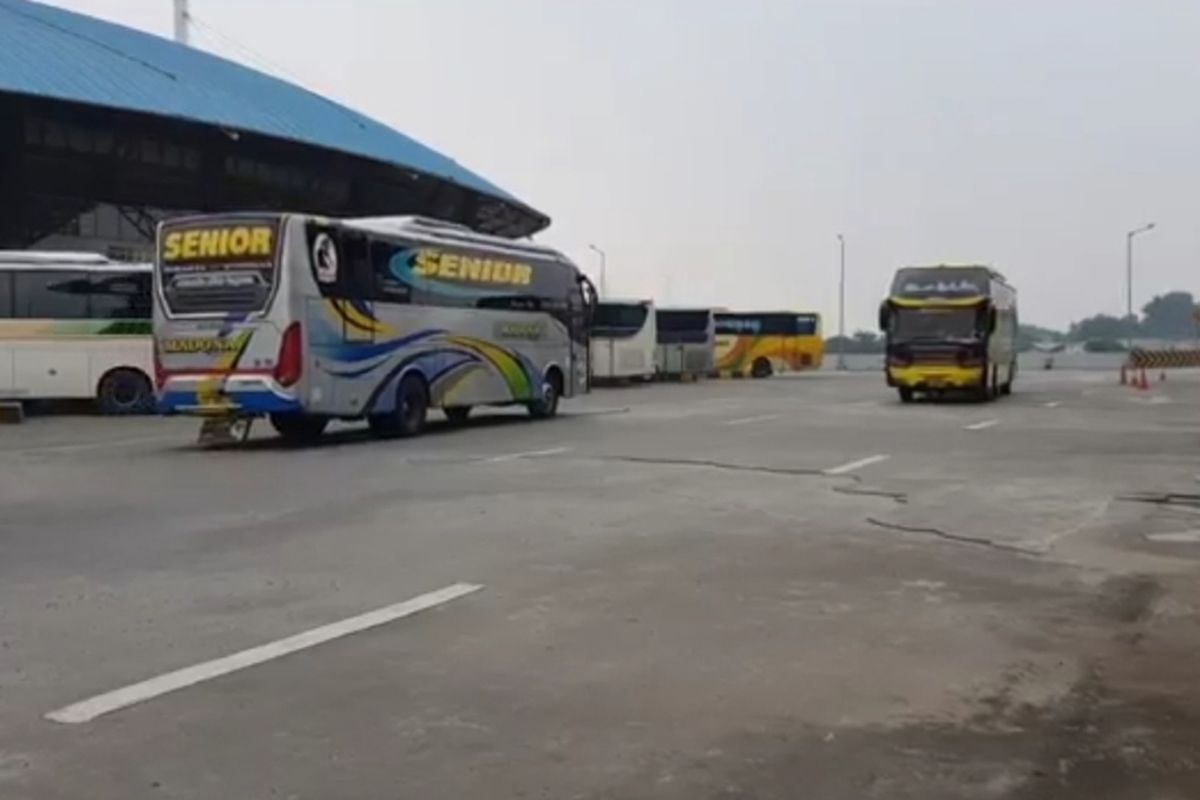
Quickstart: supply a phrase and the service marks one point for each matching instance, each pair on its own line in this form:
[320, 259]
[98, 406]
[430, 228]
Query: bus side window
[122, 296]
[50, 294]
[6, 295]
[356, 279]
[387, 287]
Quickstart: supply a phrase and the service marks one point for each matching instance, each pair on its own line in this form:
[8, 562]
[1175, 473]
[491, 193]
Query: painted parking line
[550, 451]
[1053, 404]
[842, 469]
[748, 420]
[88, 710]
[979, 426]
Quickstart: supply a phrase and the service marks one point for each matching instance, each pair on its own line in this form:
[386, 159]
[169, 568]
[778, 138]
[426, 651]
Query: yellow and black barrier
[1163, 359]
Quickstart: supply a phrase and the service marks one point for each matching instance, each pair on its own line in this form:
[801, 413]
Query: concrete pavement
[787, 588]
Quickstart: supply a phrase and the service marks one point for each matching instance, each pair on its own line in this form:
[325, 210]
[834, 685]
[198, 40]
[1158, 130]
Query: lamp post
[603, 269]
[1129, 274]
[841, 362]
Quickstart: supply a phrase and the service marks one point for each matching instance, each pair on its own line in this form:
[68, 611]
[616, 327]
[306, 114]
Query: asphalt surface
[787, 588]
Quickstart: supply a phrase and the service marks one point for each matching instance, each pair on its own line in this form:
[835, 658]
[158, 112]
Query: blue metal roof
[53, 53]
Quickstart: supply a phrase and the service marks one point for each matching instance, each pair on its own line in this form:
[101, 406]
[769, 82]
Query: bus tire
[412, 408]
[457, 414]
[552, 388]
[125, 391]
[299, 428]
[906, 394]
[761, 368]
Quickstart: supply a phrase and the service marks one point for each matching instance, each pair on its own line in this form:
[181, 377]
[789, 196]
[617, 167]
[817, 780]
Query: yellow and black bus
[950, 328]
[762, 343]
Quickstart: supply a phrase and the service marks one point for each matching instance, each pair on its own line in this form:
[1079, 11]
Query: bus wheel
[457, 414]
[412, 406]
[906, 394]
[299, 427]
[761, 368]
[125, 391]
[551, 390]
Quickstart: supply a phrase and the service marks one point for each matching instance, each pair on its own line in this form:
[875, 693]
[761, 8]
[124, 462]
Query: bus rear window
[221, 267]
[618, 319]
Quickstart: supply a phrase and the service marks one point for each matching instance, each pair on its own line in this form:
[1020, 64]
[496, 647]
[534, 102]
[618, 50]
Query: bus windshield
[683, 326]
[935, 323]
[612, 320]
[209, 267]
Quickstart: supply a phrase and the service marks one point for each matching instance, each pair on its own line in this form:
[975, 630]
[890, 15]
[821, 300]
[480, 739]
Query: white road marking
[84, 447]
[853, 465]
[528, 454]
[1053, 404]
[88, 710]
[748, 420]
[978, 426]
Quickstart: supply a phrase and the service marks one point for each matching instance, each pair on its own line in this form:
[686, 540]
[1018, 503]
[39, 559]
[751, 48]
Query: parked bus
[950, 328]
[75, 326]
[623, 340]
[305, 319]
[685, 341]
[762, 343]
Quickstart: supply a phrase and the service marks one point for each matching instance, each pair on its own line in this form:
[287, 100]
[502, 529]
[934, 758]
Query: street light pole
[603, 269]
[1129, 274]
[841, 362]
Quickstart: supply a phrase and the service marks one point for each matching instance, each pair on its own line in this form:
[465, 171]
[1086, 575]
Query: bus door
[352, 293]
[581, 308]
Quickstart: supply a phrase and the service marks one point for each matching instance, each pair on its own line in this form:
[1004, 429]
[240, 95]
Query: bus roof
[992, 271]
[424, 228]
[724, 312]
[625, 301]
[11, 260]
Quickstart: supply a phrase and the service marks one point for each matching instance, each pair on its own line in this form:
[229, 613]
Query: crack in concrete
[722, 465]
[980, 541]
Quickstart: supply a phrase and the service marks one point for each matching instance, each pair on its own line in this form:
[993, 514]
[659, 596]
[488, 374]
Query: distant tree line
[1170, 316]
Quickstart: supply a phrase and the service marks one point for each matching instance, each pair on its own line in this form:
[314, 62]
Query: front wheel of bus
[412, 406]
[906, 394]
[125, 391]
[547, 406]
[299, 428]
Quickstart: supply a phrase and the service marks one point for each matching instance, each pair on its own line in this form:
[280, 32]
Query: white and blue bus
[686, 342]
[305, 319]
[624, 335]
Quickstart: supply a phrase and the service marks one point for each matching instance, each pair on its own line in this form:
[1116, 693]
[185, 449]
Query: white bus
[76, 325]
[624, 333]
[305, 319]
[686, 342]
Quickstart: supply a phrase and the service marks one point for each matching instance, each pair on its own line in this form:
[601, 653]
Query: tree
[1169, 316]
[1104, 326]
[1028, 335]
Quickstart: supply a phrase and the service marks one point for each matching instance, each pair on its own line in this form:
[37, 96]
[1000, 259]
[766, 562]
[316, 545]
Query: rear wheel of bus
[552, 388]
[761, 368]
[408, 418]
[299, 427]
[125, 391]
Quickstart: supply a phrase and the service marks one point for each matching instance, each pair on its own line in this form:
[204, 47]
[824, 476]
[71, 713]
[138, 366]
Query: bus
[950, 328]
[304, 319]
[762, 343]
[76, 326]
[624, 334]
[685, 339]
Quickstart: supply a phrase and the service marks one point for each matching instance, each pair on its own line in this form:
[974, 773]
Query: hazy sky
[715, 148]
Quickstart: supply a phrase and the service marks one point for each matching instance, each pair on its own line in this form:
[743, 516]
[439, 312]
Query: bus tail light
[290, 362]
[160, 374]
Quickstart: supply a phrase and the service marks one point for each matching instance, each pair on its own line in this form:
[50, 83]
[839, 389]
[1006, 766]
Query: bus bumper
[931, 378]
[234, 395]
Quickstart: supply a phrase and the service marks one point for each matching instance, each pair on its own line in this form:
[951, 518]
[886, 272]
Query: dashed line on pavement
[550, 451]
[842, 469]
[748, 420]
[979, 426]
[88, 710]
[1053, 404]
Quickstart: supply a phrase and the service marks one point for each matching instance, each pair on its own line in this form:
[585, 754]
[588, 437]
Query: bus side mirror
[885, 316]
